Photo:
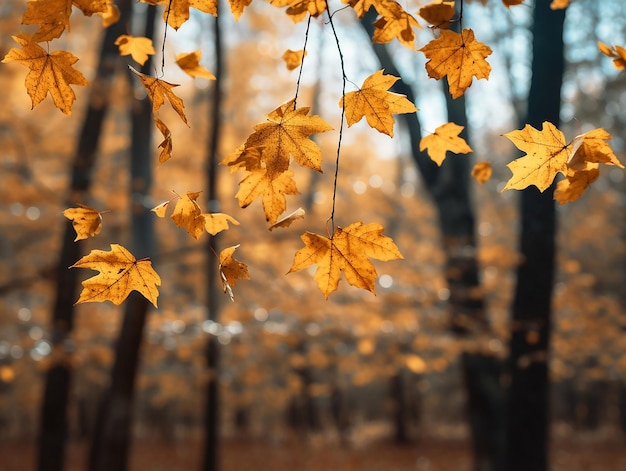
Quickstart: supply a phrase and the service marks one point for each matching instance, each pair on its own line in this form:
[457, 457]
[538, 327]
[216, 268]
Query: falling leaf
[482, 172]
[120, 273]
[288, 220]
[293, 59]
[395, 23]
[547, 155]
[166, 145]
[297, 10]
[445, 138]
[176, 12]
[271, 188]
[231, 270]
[592, 146]
[139, 48]
[188, 214]
[237, 7]
[559, 4]
[348, 250]
[87, 222]
[111, 15]
[189, 62]
[460, 57]
[217, 222]
[438, 14]
[285, 135]
[158, 90]
[52, 17]
[161, 209]
[576, 182]
[617, 53]
[510, 3]
[49, 73]
[376, 103]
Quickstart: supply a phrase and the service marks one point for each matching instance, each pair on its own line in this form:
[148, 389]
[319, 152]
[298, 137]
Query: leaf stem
[306, 40]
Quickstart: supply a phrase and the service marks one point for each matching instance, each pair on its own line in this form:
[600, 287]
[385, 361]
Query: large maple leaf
[547, 154]
[272, 189]
[177, 11]
[120, 273]
[347, 251]
[460, 57]
[445, 138]
[285, 135]
[49, 73]
[376, 103]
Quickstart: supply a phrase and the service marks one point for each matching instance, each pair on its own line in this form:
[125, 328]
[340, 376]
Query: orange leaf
[445, 138]
[87, 222]
[438, 13]
[592, 147]
[458, 56]
[482, 172]
[188, 214]
[166, 145]
[237, 7]
[559, 4]
[510, 3]
[376, 103]
[272, 188]
[49, 73]
[617, 53]
[394, 23]
[176, 12]
[189, 62]
[111, 15]
[575, 183]
[139, 48]
[52, 16]
[158, 90]
[297, 10]
[288, 220]
[231, 270]
[120, 273]
[217, 222]
[293, 59]
[547, 156]
[348, 250]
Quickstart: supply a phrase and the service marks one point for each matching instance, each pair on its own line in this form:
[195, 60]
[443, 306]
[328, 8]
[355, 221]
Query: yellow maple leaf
[286, 134]
[272, 189]
[293, 59]
[394, 23]
[376, 103]
[576, 182]
[360, 7]
[445, 138]
[158, 90]
[49, 73]
[139, 48]
[559, 4]
[52, 16]
[592, 147]
[617, 53]
[217, 222]
[176, 12]
[111, 15]
[510, 3]
[460, 57]
[166, 144]
[188, 214]
[438, 14]
[288, 220]
[87, 222]
[120, 273]
[348, 250]
[297, 10]
[237, 7]
[189, 62]
[231, 270]
[547, 156]
[481, 172]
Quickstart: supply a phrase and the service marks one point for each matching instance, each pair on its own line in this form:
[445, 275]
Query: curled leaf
[87, 222]
[288, 220]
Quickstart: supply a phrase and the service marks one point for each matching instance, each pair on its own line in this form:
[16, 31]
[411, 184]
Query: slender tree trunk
[113, 433]
[53, 431]
[449, 186]
[211, 412]
[528, 363]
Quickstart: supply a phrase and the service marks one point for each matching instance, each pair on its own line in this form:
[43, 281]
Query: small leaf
[189, 62]
[139, 48]
[293, 59]
[288, 220]
[158, 90]
[438, 13]
[617, 53]
[218, 222]
[271, 188]
[231, 270]
[166, 145]
[445, 138]
[482, 172]
[188, 214]
[87, 222]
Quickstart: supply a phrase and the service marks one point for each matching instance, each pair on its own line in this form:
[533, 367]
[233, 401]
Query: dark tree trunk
[53, 431]
[528, 363]
[113, 431]
[211, 411]
[449, 186]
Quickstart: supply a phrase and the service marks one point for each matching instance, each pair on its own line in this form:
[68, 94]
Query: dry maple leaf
[176, 12]
[111, 15]
[445, 138]
[272, 189]
[510, 3]
[348, 250]
[394, 23]
[87, 222]
[592, 146]
[376, 103]
[482, 172]
[288, 220]
[52, 17]
[237, 7]
[166, 144]
[49, 73]
[120, 273]
[217, 222]
[293, 59]
[158, 90]
[297, 10]
[231, 270]
[139, 48]
[576, 182]
[438, 14]
[617, 53]
[188, 214]
[559, 4]
[286, 134]
[189, 62]
[547, 155]
[459, 57]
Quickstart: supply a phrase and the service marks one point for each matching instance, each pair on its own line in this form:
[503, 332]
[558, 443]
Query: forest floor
[245, 455]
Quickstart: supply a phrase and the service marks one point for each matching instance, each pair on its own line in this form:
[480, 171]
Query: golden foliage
[617, 53]
[438, 14]
[139, 48]
[481, 172]
[231, 270]
[189, 62]
[158, 90]
[445, 138]
[87, 222]
[293, 59]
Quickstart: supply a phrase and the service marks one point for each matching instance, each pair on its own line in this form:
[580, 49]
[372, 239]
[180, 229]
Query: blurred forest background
[306, 383]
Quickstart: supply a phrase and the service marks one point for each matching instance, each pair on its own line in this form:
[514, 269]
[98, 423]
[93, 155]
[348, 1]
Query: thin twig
[306, 40]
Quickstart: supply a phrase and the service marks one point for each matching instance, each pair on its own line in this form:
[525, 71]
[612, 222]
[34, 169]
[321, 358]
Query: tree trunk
[53, 431]
[113, 432]
[531, 324]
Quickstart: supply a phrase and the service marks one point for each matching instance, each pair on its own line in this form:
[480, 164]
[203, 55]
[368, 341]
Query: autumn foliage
[288, 132]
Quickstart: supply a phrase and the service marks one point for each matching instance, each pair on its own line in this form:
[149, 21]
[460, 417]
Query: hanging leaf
[87, 222]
